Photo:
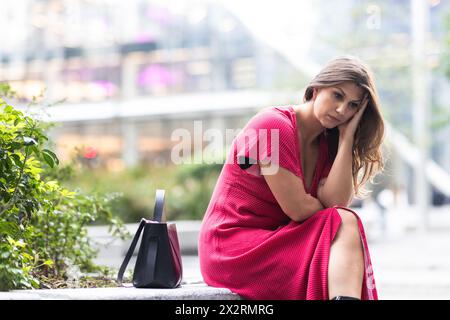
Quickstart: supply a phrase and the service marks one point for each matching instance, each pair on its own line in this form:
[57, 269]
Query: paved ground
[413, 266]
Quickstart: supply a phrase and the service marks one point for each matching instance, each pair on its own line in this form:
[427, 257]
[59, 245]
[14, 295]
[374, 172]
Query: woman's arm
[290, 193]
[337, 188]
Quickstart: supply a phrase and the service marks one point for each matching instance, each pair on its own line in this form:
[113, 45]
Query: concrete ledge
[186, 292]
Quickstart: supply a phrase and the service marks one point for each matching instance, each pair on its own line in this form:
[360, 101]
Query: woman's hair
[370, 132]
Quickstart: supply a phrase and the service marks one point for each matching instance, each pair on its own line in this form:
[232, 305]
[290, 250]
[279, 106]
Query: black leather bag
[158, 264]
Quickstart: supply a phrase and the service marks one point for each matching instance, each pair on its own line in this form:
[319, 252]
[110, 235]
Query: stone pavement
[413, 266]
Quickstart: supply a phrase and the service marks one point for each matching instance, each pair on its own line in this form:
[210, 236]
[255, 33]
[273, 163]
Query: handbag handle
[123, 267]
[159, 205]
[157, 216]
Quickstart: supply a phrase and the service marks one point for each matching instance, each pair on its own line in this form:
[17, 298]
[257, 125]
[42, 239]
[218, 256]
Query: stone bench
[197, 291]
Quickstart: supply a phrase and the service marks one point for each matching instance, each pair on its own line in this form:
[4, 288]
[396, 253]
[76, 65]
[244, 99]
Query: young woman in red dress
[278, 224]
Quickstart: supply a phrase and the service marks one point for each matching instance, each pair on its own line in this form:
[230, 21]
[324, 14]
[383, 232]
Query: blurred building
[98, 56]
[97, 50]
[128, 73]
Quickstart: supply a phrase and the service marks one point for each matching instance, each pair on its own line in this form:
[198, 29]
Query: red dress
[249, 245]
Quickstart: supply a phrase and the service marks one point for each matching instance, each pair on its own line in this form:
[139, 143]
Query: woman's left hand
[347, 130]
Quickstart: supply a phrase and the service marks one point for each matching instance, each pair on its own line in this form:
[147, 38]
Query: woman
[277, 225]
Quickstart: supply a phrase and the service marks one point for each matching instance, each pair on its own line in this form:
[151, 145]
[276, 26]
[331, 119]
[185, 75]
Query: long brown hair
[369, 135]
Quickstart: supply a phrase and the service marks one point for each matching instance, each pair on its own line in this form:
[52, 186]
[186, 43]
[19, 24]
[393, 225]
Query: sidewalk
[413, 266]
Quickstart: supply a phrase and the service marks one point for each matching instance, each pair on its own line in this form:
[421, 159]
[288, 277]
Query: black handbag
[158, 264]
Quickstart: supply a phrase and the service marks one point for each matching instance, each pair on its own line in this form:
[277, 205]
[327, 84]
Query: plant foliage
[43, 225]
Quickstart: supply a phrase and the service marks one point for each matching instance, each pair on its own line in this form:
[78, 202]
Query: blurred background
[118, 77]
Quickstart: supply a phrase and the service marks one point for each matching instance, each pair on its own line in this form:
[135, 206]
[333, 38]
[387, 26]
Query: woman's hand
[347, 130]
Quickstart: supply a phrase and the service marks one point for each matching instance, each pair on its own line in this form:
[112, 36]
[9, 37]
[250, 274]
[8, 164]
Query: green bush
[42, 224]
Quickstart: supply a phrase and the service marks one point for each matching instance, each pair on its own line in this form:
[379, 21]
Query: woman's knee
[347, 217]
[349, 225]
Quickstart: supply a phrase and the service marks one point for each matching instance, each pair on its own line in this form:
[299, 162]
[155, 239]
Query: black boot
[344, 298]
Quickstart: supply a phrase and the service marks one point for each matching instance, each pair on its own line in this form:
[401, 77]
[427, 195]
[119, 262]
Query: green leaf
[27, 256]
[49, 263]
[20, 244]
[35, 150]
[52, 185]
[67, 193]
[48, 159]
[15, 146]
[8, 163]
[35, 283]
[51, 154]
[16, 160]
[7, 227]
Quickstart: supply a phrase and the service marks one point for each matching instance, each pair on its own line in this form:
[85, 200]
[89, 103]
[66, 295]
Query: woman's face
[337, 104]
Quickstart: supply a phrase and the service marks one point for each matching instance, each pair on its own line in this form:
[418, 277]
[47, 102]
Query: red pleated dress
[248, 244]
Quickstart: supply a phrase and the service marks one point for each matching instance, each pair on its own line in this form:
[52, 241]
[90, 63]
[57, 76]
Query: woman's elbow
[303, 210]
[330, 200]
[328, 203]
[294, 214]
